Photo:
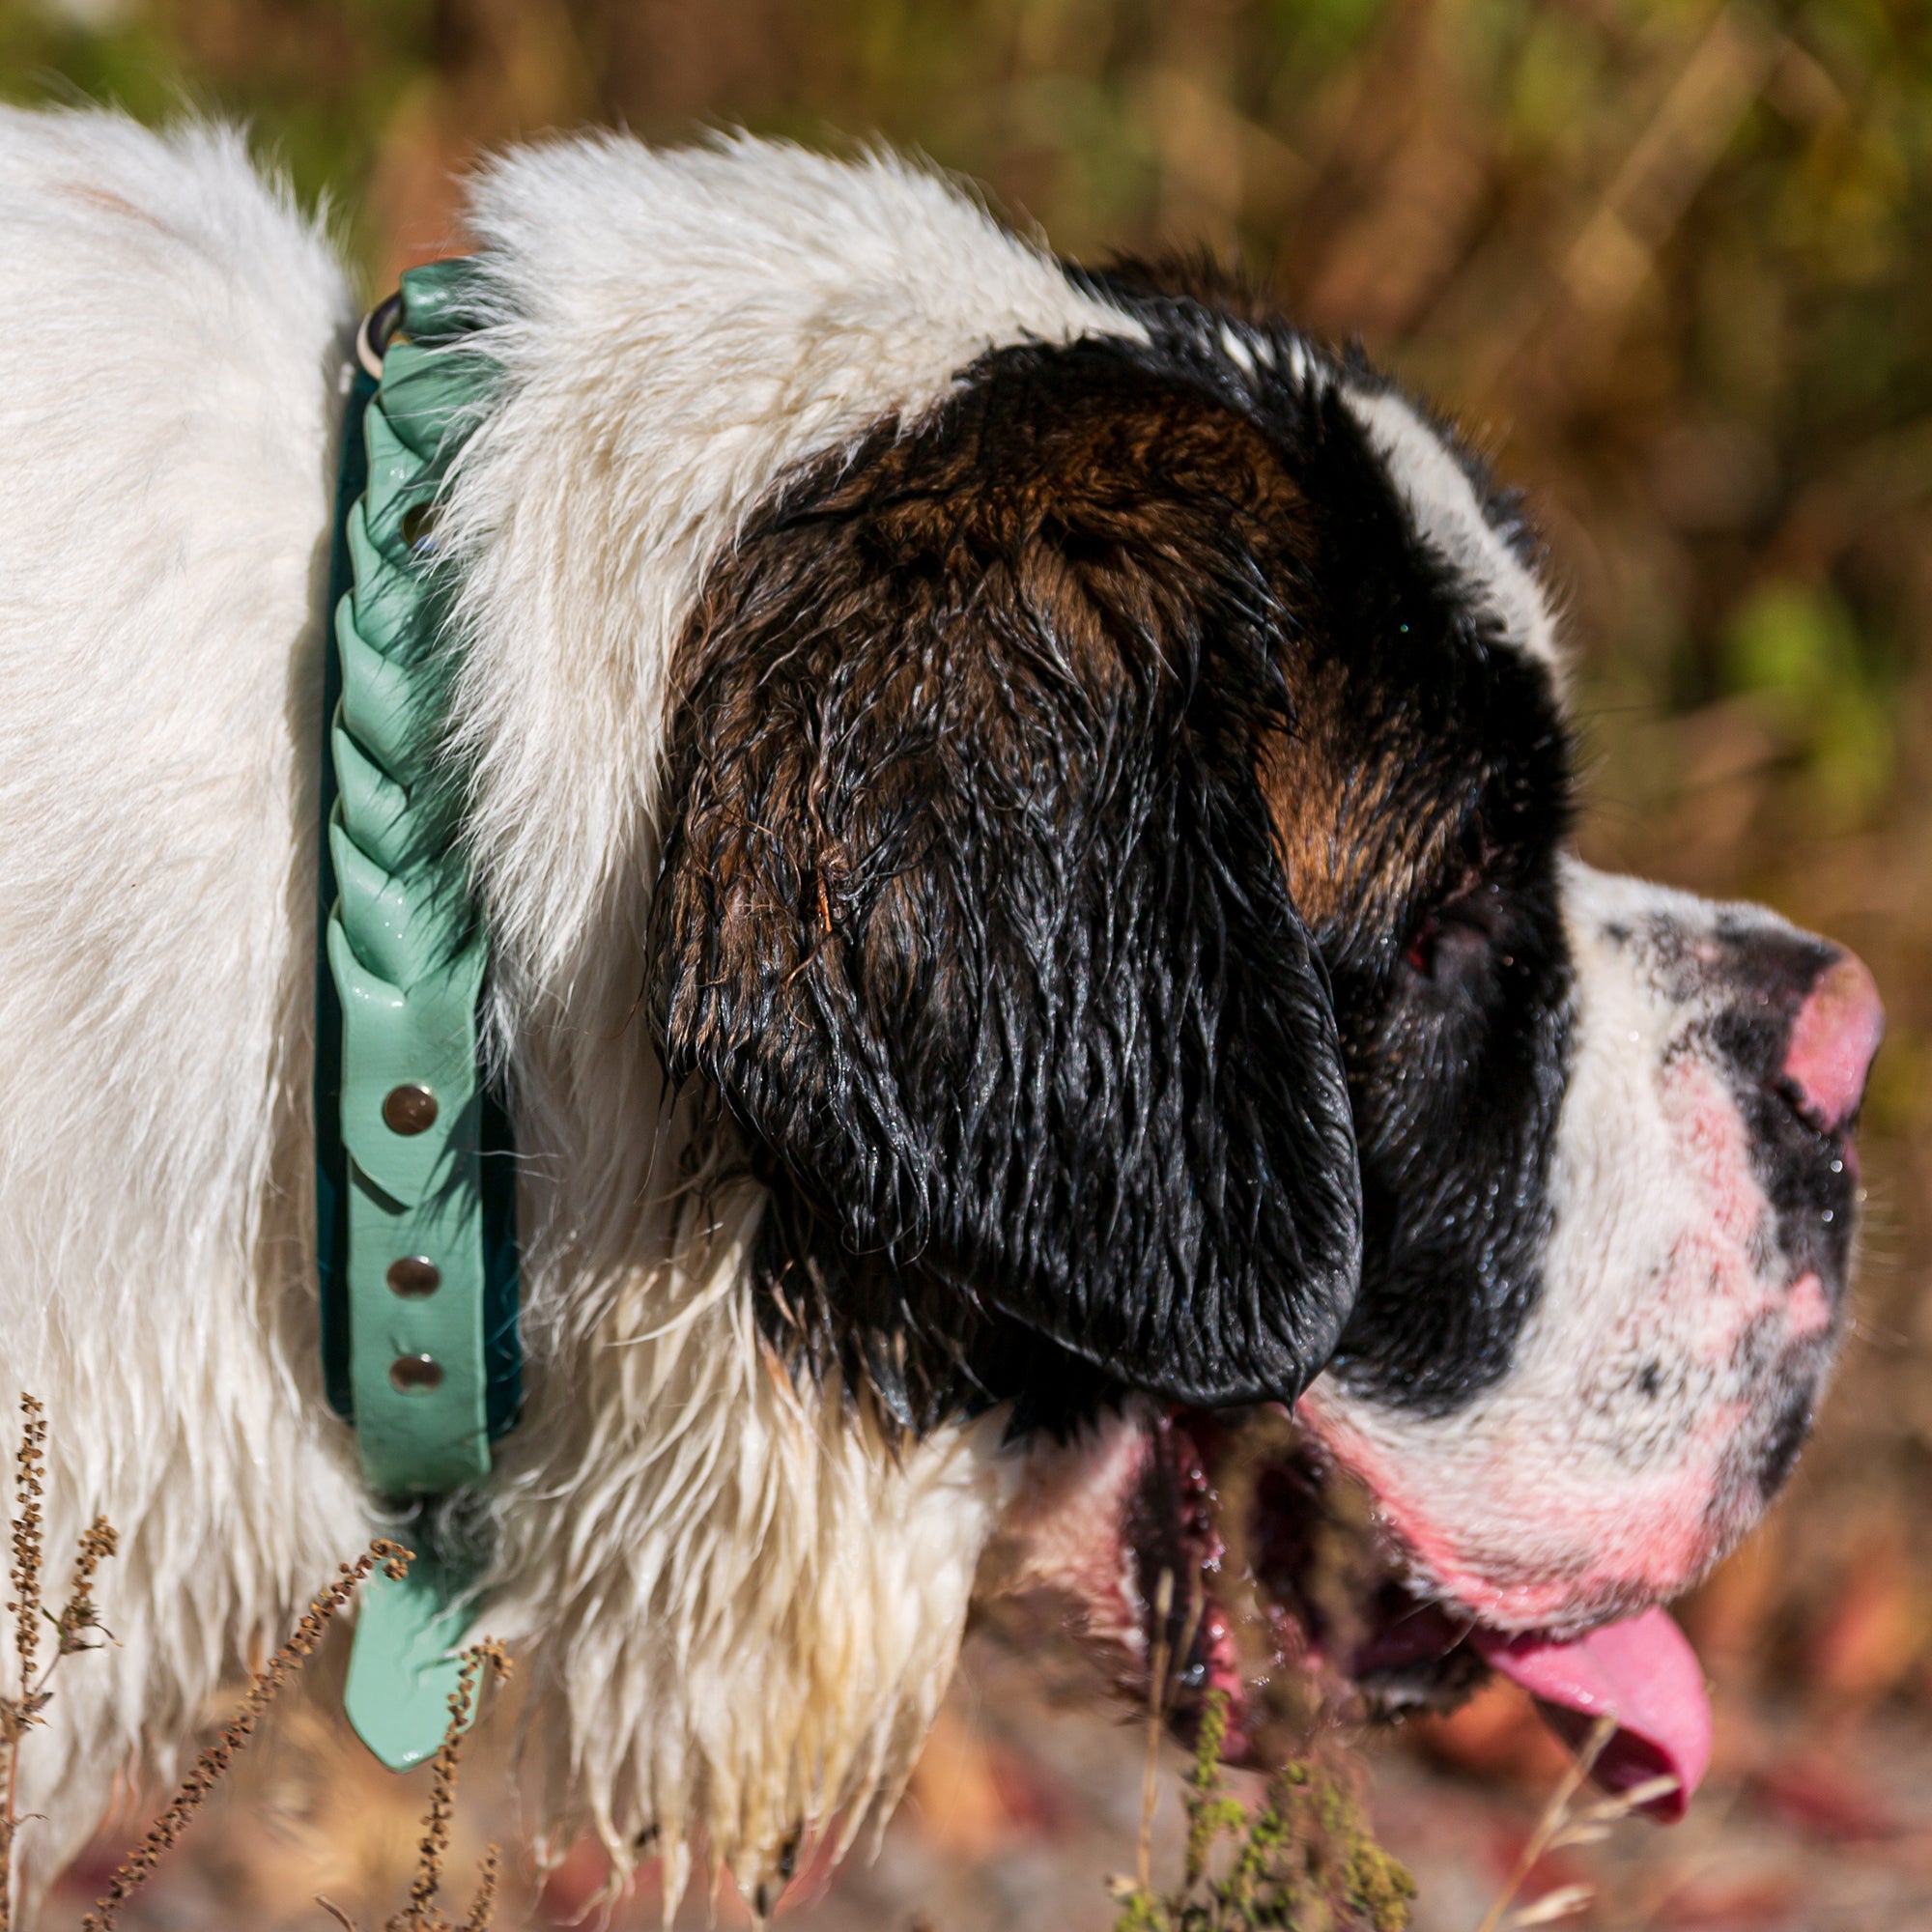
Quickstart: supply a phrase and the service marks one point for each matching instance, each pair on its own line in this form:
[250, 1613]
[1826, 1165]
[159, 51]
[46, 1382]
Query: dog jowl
[1119, 887]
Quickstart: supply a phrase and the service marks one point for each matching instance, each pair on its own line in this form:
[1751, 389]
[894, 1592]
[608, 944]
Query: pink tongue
[1645, 1672]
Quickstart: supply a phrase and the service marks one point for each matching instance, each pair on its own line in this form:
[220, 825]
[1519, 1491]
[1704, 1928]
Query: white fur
[170, 333]
[1442, 502]
[739, 1648]
[692, 1561]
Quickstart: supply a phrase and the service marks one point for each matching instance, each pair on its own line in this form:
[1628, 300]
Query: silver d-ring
[373, 334]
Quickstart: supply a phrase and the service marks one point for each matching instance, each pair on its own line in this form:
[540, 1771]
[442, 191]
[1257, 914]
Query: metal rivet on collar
[409, 1110]
[410, 1373]
[415, 1276]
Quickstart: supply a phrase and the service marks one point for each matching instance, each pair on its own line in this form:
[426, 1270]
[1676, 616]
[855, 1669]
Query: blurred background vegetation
[1672, 262]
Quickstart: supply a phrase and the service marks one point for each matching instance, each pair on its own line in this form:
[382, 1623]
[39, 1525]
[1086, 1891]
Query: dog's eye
[1455, 942]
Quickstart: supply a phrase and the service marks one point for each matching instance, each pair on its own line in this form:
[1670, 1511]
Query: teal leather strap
[416, 1205]
[403, 1665]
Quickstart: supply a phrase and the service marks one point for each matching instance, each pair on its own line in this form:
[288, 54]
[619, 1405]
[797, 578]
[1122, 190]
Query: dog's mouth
[1284, 1591]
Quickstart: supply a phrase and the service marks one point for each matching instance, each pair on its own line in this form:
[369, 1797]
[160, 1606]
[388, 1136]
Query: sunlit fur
[691, 1561]
[692, 1555]
[170, 335]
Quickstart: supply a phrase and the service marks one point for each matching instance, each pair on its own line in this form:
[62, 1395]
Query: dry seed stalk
[485, 1901]
[212, 1763]
[78, 1616]
[421, 1915]
[1163, 1606]
[1561, 1827]
[1557, 1828]
[26, 1572]
[16, 1714]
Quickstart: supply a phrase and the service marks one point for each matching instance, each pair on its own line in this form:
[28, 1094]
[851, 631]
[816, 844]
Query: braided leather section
[404, 948]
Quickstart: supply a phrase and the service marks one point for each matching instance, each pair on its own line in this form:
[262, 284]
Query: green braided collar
[416, 1202]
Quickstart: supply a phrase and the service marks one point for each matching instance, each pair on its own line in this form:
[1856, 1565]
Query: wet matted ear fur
[971, 909]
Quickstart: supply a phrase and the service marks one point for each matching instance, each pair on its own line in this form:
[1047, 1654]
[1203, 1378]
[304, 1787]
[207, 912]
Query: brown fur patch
[1352, 856]
[973, 909]
[1135, 482]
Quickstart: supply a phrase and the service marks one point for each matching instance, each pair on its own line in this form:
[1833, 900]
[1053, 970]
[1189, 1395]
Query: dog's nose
[1834, 1037]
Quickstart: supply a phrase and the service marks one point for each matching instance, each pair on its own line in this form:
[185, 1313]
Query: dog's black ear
[970, 906]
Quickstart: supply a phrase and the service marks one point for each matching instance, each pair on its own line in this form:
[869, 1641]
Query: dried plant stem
[421, 1914]
[16, 1714]
[1551, 1821]
[1163, 1606]
[25, 1571]
[485, 1902]
[211, 1764]
[78, 1617]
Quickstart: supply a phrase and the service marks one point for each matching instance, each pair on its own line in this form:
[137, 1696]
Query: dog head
[1118, 888]
[1103, 871]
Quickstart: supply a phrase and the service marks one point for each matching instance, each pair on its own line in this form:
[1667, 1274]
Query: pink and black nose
[1834, 1036]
